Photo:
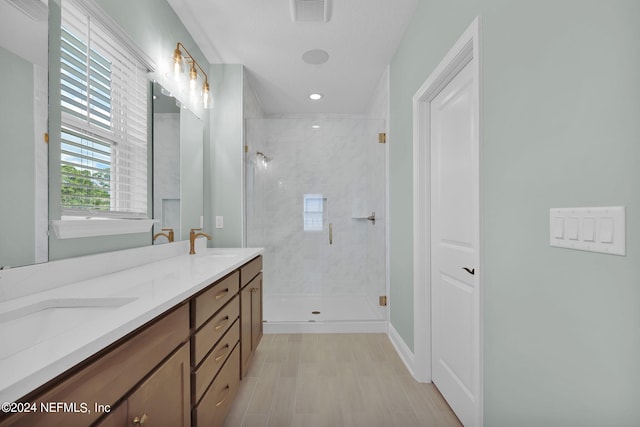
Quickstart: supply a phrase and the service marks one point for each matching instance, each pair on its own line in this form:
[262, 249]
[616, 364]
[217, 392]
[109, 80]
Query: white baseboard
[402, 349]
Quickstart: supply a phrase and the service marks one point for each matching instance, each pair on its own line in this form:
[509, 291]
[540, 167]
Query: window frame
[130, 185]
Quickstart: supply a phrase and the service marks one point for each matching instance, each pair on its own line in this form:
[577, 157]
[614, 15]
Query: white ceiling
[361, 38]
[22, 35]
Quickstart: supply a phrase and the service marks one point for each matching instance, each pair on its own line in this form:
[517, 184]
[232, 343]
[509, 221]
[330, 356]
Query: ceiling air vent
[310, 10]
[38, 10]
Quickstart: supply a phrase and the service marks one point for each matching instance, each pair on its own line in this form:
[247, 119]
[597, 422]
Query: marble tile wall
[342, 161]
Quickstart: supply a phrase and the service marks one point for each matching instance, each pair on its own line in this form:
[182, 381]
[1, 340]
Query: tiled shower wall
[343, 161]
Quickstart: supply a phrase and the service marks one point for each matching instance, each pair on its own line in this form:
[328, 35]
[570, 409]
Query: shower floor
[325, 314]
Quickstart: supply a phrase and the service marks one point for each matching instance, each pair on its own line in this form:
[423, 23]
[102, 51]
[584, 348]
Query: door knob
[472, 271]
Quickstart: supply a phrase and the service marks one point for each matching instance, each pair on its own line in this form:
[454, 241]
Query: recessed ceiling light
[315, 96]
[315, 126]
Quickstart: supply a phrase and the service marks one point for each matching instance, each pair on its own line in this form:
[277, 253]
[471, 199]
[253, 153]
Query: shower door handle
[331, 233]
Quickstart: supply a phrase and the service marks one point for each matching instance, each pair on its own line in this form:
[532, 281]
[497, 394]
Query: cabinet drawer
[211, 365]
[250, 270]
[211, 332]
[207, 303]
[213, 408]
[110, 376]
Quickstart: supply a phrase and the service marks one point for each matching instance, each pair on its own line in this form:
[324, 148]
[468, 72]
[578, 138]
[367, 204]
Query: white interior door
[454, 244]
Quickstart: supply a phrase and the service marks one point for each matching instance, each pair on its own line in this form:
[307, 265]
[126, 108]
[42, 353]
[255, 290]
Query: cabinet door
[163, 399]
[245, 328]
[116, 418]
[256, 312]
[250, 320]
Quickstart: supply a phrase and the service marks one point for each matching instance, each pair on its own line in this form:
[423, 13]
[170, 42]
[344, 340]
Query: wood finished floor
[333, 380]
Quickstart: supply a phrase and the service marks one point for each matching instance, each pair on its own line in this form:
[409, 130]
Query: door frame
[465, 51]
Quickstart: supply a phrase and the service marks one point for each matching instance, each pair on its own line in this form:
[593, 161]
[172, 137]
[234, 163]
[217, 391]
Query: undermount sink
[27, 326]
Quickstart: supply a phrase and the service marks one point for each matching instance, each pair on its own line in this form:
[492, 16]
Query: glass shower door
[308, 205]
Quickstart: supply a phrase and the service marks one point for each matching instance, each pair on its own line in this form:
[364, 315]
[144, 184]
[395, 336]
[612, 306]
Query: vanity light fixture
[179, 60]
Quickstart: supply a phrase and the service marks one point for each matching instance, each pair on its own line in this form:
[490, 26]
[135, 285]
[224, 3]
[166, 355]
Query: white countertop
[133, 297]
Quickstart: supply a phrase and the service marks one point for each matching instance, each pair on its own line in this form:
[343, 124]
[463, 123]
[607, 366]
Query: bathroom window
[313, 212]
[104, 91]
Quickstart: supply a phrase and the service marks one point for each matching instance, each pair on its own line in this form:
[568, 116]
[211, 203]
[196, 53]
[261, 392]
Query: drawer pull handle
[141, 420]
[223, 354]
[226, 390]
[221, 294]
[222, 323]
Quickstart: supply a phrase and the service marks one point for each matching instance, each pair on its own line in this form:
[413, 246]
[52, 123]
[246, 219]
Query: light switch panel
[557, 224]
[600, 229]
[588, 230]
[605, 230]
[219, 222]
[572, 228]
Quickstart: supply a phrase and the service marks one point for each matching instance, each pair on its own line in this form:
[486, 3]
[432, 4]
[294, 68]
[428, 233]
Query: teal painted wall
[17, 183]
[156, 29]
[561, 102]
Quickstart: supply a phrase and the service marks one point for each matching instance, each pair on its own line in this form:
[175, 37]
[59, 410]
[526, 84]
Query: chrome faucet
[192, 239]
[168, 235]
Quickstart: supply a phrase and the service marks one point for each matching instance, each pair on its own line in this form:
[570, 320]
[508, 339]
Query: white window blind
[104, 119]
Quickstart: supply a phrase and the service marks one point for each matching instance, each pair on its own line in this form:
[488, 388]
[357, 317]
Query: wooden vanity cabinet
[250, 311]
[110, 376]
[182, 368]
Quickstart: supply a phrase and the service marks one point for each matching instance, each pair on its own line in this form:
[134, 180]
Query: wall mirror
[177, 167]
[23, 123]
[24, 109]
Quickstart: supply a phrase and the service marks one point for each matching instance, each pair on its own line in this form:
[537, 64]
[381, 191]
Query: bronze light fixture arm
[189, 59]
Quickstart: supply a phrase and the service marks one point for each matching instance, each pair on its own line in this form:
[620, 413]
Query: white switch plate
[219, 222]
[599, 229]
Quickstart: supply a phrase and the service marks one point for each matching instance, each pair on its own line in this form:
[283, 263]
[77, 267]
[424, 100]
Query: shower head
[263, 157]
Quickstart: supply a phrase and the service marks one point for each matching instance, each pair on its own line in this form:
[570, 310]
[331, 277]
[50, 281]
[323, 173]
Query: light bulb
[177, 63]
[206, 96]
[193, 78]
